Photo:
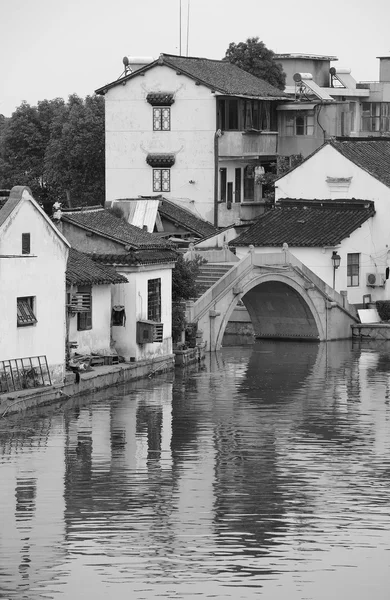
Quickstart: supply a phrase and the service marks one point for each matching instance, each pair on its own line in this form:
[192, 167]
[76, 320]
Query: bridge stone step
[210, 274]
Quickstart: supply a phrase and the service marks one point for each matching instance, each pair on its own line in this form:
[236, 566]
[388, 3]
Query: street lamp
[336, 263]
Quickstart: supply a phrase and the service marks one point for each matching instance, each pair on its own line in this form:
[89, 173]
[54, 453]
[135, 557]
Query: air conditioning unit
[375, 279]
[149, 332]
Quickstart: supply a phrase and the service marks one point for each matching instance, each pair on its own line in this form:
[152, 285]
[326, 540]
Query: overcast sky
[52, 48]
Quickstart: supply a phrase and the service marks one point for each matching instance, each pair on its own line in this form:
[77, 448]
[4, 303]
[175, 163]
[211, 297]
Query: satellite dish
[297, 77]
[126, 61]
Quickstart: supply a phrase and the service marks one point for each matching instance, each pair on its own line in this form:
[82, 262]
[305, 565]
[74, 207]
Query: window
[222, 182]
[26, 311]
[299, 124]
[118, 316]
[26, 243]
[161, 180]
[249, 183]
[376, 116]
[161, 118]
[239, 114]
[353, 265]
[154, 300]
[84, 308]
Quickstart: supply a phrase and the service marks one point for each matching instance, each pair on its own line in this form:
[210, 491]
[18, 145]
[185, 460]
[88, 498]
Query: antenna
[188, 24]
[180, 27]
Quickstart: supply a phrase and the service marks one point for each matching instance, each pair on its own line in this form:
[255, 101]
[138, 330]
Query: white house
[196, 130]
[337, 200]
[90, 313]
[33, 257]
[141, 326]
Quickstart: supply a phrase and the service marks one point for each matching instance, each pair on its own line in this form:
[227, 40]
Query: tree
[74, 158]
[254, 57]
[57, 149]
[184, 287]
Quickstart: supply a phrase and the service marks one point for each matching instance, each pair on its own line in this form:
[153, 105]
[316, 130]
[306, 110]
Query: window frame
[26, 311]
[158, 183]
[159, 119]
[84, 317]
[375, 116]
[291, 127]
[154, 300]
[26, 243]
[353, 269]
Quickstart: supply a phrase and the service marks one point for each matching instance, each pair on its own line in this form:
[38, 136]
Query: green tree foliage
[254, 57]
[57, 149]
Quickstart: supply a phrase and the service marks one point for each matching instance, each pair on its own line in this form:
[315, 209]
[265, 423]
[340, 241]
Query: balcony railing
[243, 143]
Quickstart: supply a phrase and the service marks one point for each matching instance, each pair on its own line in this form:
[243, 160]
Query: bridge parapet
[213, 309]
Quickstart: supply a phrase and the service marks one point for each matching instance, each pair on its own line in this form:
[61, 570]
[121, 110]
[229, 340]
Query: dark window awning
[160, 160]
[160, 98]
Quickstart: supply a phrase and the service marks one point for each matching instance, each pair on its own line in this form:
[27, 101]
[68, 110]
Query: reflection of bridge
[283, 297]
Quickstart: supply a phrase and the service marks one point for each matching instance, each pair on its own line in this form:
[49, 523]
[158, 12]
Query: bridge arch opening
[277, 310]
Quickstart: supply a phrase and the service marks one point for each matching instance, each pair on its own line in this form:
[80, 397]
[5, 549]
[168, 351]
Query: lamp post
[336, 263]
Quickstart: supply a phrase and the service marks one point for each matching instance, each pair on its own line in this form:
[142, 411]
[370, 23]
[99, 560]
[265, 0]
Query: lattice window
[83, 307]
[154, 300]
[161, 119]
[353, 267]
[161, 180]
[25, 311]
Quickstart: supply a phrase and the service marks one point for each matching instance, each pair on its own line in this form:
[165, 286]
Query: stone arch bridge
[283, 297]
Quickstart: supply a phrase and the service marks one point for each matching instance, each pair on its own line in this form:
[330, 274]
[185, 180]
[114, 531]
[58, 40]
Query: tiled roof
[141, 257]
[102, 222]
[82, 270]
[307, 223]
[372, 155]
[187, 219]
[218, 75]
[160, 98]
[160, 160]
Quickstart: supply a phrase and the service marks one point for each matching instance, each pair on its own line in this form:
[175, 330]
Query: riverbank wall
[89, 381]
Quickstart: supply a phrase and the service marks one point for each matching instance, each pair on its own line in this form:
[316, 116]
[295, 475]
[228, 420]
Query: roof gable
[371, 154]
[177, 214]
[101, 222]
[218, 75]
[21, 193]
[313, 223]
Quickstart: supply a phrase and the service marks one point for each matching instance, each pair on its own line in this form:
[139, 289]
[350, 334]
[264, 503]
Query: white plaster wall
[319, 261]
[130, 137]
[98, 338]
[41, 275]
[372, 240]
[134, 297]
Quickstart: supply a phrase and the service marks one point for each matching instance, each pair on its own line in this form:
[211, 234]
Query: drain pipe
[217, 135]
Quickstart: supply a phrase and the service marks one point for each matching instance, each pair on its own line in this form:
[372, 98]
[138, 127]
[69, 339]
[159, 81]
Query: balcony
[247, 144]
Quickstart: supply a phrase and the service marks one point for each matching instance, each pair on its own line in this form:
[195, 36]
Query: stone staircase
[209, 274]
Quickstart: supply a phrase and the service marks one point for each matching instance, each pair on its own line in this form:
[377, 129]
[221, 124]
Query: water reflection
[267, 469]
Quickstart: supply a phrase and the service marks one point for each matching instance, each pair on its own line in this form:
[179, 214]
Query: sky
[52, 48]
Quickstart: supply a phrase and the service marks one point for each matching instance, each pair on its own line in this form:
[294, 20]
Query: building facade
[33, 257]
[198, 131]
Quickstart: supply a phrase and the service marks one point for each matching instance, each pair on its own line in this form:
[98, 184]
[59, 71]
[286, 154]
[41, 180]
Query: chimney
[384, 68]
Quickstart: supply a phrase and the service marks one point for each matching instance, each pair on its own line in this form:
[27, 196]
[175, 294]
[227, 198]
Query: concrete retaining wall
[97, 379]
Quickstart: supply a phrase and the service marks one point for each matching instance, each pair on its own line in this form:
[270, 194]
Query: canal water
[263, 473]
